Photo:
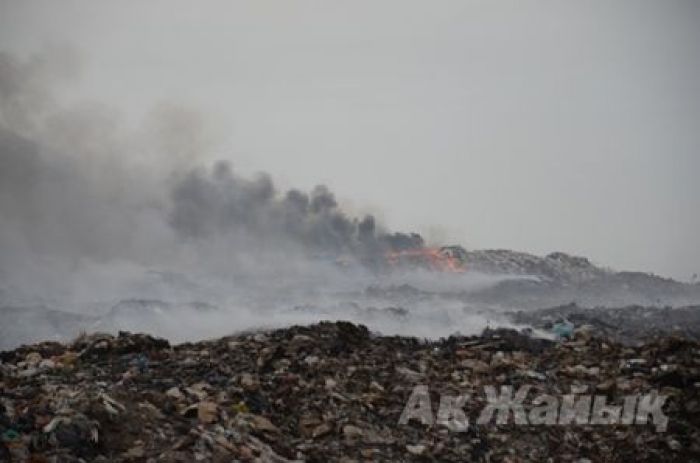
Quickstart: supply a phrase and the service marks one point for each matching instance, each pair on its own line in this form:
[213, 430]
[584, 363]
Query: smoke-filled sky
[536, 126]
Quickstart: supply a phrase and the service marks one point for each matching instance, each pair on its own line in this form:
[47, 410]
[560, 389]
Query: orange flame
[443, 259]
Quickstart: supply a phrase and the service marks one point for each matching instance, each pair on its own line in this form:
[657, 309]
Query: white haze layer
[130, 229]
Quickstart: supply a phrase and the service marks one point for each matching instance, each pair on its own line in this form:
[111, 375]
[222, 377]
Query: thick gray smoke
[88, 207]
[75, 205]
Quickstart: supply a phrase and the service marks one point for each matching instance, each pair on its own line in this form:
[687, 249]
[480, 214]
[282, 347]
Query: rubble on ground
[560, 278]
[557, 266]
[330, 392]
[628, 325]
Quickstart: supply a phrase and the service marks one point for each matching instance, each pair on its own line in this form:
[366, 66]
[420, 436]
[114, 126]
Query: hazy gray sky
[531, 125]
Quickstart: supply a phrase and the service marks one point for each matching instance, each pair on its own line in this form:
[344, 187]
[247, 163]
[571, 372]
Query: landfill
[167, 294]
[629, 325]
[333, 391]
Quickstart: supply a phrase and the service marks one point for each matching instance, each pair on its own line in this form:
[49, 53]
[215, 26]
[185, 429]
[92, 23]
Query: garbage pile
[556, 266]
[560, 278]
[628, 325]
[331, 392]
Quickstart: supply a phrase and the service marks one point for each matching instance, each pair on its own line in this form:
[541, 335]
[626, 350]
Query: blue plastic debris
[563, 329]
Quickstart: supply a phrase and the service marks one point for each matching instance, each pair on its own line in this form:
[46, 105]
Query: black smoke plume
[218, 202]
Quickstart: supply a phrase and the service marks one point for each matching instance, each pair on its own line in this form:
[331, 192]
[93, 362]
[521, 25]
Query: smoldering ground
[129, 230]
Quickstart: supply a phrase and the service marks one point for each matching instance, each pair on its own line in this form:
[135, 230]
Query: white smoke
[92, 213]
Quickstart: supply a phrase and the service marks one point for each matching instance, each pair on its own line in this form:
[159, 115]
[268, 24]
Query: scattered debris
[330, 392]
[629, 325]
[564, 329]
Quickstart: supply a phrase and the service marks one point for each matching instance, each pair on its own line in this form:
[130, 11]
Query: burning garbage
[441, 259]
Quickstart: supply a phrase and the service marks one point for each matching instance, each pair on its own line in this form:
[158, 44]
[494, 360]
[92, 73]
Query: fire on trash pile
[441, 259]
[334, 392]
